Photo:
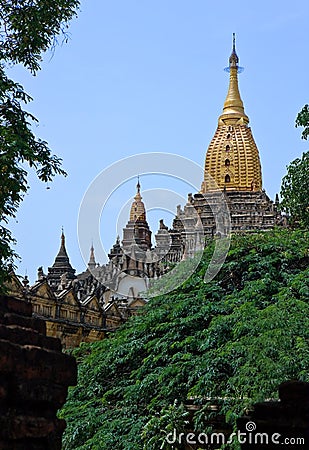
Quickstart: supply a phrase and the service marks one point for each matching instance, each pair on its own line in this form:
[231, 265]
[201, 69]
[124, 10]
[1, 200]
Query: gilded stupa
[232, 159]
[137, 211]
[231, 198]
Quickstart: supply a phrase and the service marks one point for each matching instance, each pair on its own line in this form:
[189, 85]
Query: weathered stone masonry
[34, 380]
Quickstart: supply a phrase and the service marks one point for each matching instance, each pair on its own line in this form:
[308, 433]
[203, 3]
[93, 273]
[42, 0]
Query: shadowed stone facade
[34, 380]
[269, 425]
[282, 422]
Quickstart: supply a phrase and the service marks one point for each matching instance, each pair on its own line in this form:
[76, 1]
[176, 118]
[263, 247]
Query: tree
[295, 191]
[27, 29]
[302, 120]
[295, 187]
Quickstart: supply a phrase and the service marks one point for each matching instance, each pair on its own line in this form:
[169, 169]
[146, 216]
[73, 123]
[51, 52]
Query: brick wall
[34, 380]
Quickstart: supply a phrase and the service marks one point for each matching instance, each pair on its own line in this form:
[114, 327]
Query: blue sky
[147, 76]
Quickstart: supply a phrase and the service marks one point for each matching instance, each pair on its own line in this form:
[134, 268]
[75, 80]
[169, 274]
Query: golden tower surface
[137, 211]
[232, 159]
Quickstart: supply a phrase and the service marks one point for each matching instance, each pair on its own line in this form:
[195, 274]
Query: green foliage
[30, 27]
[231, 342]
[295, 186]
[18, 146]
[170, 418]
[295, 191]
[27, 29]
[302, 120]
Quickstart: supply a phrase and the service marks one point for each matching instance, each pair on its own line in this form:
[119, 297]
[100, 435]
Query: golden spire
[138, 208]
[233, 109]
[232, 160]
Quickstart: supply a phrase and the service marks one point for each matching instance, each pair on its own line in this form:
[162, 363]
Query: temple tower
[60, 267]
[232, 186]
[232, 159]
[137, 229]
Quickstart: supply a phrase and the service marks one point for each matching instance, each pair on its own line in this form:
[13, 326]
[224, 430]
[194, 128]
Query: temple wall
[34, 380]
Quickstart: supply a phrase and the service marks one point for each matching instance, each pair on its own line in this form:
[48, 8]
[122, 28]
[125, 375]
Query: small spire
[62, 251]
[138, 196]
[61, 266]
[92, 263]
[62, 237]
[277, 201]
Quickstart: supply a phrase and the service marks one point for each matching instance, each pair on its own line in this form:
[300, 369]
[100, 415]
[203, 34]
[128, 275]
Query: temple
[88, 305]
[232, 183]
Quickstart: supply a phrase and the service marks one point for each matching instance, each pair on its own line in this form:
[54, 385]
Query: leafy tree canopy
[295, 191]
[27, 29]
[295, 187]
[302, 120]
[230, 342]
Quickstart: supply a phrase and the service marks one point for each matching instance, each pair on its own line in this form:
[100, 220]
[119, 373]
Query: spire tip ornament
[234, 60]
